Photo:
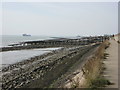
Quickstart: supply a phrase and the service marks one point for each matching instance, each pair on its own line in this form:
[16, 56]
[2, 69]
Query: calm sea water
[6, 40]
[11, 57]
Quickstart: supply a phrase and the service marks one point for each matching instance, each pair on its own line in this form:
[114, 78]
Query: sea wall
[89, 71]
[93, 68]
[41, 71]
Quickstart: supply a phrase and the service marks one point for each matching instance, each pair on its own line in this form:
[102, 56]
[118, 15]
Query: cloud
[60, 18]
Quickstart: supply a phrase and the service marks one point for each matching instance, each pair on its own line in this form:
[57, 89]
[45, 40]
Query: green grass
[95, 67]
[99, 82]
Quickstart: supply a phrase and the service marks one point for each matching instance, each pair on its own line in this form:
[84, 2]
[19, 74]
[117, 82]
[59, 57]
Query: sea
[11, 57]
[6, 40]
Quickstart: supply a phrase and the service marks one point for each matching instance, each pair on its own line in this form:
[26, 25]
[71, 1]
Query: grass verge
[99, 82]
[94, 67]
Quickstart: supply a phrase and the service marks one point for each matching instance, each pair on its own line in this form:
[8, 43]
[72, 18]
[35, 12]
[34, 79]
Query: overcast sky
[59, 19]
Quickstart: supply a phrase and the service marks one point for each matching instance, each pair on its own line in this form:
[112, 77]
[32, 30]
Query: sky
[59, 18]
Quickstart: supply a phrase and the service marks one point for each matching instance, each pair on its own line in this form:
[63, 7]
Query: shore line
[38, 67]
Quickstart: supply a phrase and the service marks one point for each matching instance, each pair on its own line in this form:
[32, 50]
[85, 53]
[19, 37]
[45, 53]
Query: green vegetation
[95, 67]
[99, 82]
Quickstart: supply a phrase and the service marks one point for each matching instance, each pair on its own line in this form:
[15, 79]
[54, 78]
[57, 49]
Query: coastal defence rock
[55, 43]
[84, 74]
[42, 71]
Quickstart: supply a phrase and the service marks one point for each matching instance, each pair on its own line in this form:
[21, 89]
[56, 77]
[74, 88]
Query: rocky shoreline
[60, 42]
[36, 72]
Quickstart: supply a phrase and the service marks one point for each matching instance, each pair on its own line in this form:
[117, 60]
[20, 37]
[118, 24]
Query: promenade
[111, 64]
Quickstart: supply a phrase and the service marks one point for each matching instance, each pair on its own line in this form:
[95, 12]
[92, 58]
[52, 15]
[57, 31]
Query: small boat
[26, 35]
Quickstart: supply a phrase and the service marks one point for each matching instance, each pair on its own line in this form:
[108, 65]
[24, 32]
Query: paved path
[111, 64]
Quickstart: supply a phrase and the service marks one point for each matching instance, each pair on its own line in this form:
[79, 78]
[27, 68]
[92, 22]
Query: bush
[99, 82]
